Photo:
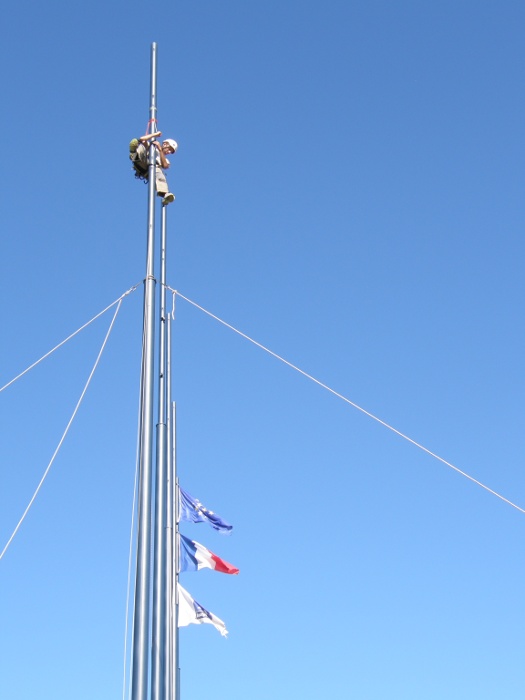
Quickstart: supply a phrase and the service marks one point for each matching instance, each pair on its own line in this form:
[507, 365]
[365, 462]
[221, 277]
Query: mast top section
[153, 88]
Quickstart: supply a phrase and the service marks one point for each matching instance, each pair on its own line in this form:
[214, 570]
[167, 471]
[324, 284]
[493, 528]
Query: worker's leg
[162, 187]
[160, 182]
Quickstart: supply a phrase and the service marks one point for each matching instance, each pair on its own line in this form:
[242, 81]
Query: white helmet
[172, 144]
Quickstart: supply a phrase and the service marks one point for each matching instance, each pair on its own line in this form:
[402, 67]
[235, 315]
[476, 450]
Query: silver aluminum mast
[160, 591]
[176, 553]
[169, 581]
[139, 676]
[172, 664]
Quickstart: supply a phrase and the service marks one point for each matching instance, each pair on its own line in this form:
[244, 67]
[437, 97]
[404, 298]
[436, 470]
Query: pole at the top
[139, 676]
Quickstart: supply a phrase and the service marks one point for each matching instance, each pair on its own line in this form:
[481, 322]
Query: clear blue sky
[350, 193]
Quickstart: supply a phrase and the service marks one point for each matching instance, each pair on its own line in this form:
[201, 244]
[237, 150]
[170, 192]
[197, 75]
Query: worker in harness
[138, 152]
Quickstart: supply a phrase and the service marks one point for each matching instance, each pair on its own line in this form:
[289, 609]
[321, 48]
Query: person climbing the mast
[138, 152]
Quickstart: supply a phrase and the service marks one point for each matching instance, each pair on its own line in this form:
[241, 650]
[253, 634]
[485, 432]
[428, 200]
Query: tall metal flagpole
[176, 551]
[139, 677]
[160, 592]
[169, 671]
[172, 517]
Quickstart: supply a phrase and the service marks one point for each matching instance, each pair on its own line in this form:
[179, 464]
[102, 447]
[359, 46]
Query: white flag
[191, 612]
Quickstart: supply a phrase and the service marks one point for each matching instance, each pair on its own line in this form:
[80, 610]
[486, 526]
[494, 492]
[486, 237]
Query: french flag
[194, 556]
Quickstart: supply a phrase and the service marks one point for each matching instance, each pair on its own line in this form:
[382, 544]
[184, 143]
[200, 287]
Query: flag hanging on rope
[191, 612]
[194, 556]
[192, 510]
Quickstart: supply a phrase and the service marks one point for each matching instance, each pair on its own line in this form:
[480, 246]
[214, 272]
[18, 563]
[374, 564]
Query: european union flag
[192, 510]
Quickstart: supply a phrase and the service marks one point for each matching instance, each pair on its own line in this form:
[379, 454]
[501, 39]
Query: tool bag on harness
[140, 164]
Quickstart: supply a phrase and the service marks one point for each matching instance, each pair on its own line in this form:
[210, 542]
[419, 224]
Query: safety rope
[348, 401]
[154, 126]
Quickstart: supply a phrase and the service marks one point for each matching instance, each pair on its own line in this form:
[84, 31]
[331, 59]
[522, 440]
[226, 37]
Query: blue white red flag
[192, 510]
[191, 612]
[194, 556]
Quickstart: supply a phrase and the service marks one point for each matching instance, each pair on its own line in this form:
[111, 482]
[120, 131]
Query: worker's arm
[147, 137]
[164, 164]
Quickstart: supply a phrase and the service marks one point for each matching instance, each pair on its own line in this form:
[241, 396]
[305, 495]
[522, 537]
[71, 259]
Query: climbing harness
[140, 168]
